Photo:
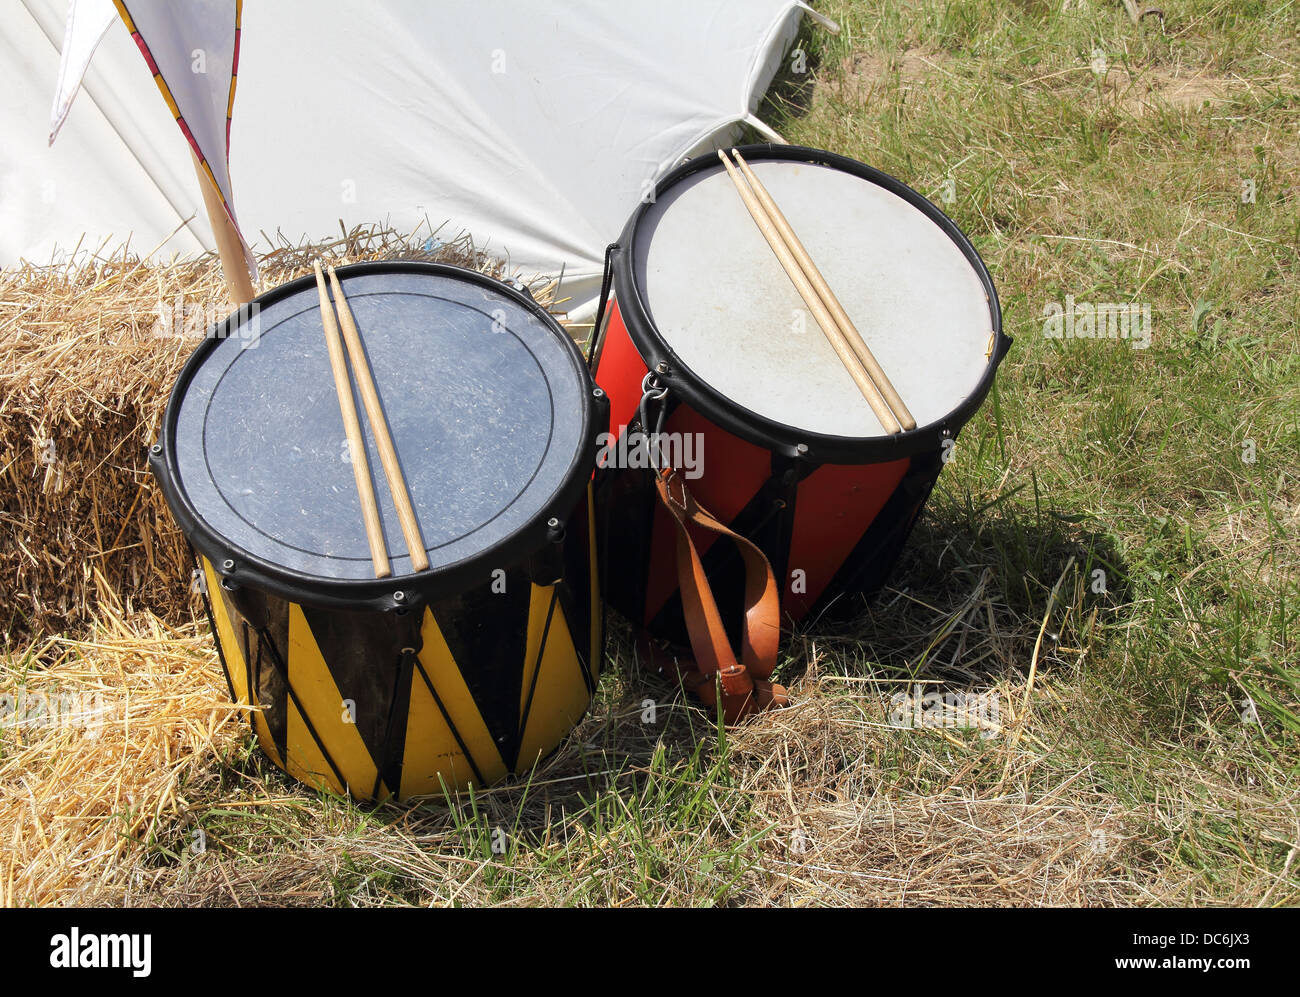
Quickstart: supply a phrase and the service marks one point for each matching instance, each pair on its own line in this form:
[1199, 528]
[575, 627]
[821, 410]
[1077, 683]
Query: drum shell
[838, 509]
[457, 692]
[416, 683]
[831, 531]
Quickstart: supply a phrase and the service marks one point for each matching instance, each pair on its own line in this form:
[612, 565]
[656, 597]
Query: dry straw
[88, 354]
[100, 739]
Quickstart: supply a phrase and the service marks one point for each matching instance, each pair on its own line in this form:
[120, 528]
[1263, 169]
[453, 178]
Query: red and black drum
[706, 345]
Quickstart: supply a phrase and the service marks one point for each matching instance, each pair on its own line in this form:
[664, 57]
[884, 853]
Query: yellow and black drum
[397, 686]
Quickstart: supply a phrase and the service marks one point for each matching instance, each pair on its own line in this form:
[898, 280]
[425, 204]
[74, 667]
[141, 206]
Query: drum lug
[600, 421]
[520, 286]
[403, 601]
[546, 566]
[226, 569]
[800, 453]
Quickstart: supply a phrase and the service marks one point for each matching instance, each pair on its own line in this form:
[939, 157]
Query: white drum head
[721, 301]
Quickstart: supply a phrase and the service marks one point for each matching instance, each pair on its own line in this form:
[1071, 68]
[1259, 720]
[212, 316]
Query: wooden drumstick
[379, 426]
[846, 326]
[352, 426]
[810, 297]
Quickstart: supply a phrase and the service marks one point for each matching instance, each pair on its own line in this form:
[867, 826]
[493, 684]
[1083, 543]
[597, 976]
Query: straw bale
[89, 350]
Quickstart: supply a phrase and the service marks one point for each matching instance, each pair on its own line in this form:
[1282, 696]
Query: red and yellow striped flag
[192, 49]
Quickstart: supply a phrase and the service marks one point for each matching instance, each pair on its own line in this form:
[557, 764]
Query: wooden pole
[824, 319]
[846, 326]
[231, 251]
[352, 426]
[379, 426]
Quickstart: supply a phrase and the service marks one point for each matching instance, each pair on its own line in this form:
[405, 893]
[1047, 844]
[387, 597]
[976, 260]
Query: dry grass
[143, 712]
[865, 75]
[825, 803]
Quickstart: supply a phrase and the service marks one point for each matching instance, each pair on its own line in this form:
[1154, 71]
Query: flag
[192, 49]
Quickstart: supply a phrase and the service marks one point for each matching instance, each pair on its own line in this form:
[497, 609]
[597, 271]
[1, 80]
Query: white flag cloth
[87, 22]
[192, 50]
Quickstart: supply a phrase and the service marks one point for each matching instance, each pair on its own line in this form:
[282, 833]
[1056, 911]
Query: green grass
[1067, 190]
[1127, 774]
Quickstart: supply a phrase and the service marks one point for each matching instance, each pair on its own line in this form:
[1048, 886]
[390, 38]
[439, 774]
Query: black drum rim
[237, 567]
[660, 358]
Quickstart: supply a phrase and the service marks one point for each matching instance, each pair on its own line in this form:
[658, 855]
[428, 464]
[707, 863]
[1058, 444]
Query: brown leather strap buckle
[743, 686]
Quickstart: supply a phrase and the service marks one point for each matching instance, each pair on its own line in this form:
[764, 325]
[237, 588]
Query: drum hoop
[238, 567]
[744, 422]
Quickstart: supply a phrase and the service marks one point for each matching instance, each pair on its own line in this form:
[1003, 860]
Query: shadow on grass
[962, 609]
[966, 602]
[790, 94]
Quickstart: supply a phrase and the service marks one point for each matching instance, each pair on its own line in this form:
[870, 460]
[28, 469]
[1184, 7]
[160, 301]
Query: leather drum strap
[744, 686]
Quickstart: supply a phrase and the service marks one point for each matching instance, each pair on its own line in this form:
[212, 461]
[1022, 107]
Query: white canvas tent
[535, 127]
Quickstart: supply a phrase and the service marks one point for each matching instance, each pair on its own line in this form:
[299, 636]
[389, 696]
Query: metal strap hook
[652, 389]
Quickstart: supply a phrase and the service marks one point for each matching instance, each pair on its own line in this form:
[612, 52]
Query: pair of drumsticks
[378, 426]
[840, 331]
